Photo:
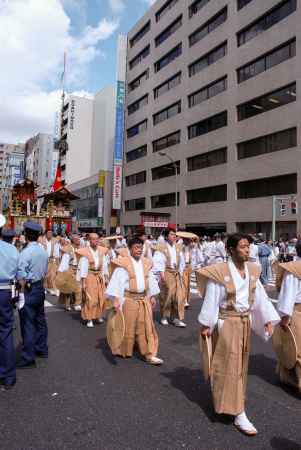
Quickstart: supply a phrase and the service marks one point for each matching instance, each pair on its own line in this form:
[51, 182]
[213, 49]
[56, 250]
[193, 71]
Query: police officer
[8, 235]
[32, 269]
[8, 270]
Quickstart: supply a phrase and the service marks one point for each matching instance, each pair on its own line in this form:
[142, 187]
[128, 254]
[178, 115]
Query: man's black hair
[134, 241]
[31, 236]
[234, 238]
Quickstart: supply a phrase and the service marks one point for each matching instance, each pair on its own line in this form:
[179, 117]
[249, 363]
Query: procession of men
[118, 283]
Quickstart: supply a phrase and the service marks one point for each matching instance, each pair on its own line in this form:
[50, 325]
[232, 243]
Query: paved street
[83, 398]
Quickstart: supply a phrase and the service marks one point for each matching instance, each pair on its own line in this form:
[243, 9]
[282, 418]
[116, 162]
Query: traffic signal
[282, 209]
[294, 207]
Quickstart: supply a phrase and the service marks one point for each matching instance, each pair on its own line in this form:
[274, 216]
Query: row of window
[259, 105]
[266, 62]
[208, 27]
[171, 29]
[167, 113]
[138, 104]
[264, 187]
[266, 21]
[274, 142]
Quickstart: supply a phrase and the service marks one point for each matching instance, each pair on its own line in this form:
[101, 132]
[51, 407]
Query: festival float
[52, 210]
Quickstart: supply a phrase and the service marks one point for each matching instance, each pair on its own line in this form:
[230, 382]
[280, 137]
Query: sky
[34, 34]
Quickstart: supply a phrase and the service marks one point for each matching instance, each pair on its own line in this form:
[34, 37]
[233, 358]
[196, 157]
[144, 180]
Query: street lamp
[176, 170]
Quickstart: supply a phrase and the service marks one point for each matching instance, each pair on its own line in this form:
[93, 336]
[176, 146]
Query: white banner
[117, 184]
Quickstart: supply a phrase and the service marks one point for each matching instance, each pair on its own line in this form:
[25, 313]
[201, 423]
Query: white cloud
[149, 2]
[36, 34]
[117, 6]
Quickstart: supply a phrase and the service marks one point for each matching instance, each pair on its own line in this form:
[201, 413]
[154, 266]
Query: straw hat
[111, 238]
[285, 346]
[206, 352]
[186, 235]
[66, 283]
[115, 329]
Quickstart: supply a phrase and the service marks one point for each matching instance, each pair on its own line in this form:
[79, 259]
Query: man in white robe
[169, 265]
[133, 288]
[234, 301]
[289, 308]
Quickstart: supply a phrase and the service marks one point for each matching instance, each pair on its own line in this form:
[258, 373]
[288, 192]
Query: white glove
[21, 301]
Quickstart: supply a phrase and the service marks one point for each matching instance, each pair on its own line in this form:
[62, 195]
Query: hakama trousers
[49, 282]
[172, 296]
[93, 297]
[139, 327]
[231, 348]
[186, 282]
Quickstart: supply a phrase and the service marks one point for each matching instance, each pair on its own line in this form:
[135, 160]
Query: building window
[167, 141]
[167, 85]
[266, 62]
[138, 104]
[165, 8]
[275, 15]
[138, 58]
[266, 187]
[134, 204]
[207, 92]
[196, 6]
[167, 113]
[270, 143]
[136, 178]
[209, 26]
[266, 102]
[140, 34]
[138, 81]
[168, 58]
[137, 129]
[165, 200]
[208, 59]
[207, 125]
[137, 153]
[242, 3]
[167, 170]
[209, 159]
[207, 194]
[171, 29]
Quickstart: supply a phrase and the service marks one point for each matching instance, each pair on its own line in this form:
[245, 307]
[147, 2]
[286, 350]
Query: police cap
[33, 226]
[7, 233]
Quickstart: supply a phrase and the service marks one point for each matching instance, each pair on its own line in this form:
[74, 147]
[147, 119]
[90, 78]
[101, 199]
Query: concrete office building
[11, 170]
[39, 154]
[215, 86]
[87, 164]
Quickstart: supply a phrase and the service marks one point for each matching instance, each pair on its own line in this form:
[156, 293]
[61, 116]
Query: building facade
[214, 93]
[12, 169]
[39, 155]
[87, 163]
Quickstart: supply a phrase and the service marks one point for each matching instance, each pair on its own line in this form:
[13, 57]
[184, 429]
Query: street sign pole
[274, 220]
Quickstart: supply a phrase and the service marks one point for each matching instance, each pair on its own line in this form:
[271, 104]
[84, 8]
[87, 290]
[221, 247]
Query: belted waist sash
[171, 270]
[229, 313]
[137, 296]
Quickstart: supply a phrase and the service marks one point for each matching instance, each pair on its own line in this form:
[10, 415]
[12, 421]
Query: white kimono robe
[262, 310]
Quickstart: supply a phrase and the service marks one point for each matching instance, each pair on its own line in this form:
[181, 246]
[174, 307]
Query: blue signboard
[120, 99]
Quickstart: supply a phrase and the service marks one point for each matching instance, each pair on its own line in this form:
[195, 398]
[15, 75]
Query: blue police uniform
[32, 268]
[9, 257]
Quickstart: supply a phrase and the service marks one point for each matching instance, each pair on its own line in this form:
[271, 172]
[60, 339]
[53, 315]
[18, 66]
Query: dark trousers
[33, 324]
[7, 348]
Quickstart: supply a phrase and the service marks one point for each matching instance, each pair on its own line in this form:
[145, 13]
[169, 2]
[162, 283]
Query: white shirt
[290, 293]
[56, 249]
[120, 282]
[160, 260]
[253, 254]
[64, 264]
[83, 265]
[262, 310]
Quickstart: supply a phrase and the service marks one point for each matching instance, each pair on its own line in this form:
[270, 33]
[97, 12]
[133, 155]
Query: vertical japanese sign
[119, 121]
